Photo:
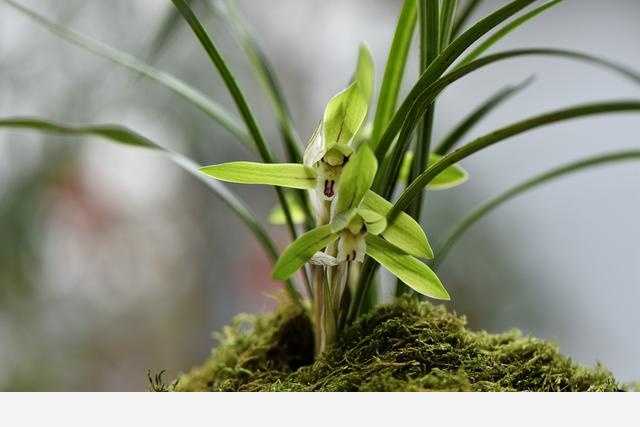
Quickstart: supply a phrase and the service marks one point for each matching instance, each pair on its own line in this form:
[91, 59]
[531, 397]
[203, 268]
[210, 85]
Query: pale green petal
[452, 176]
[375, 222]
[357, 177]
[343, 116]
[365, 75]
[301, 250]
[404, 232]
[290, 175]
[411, 271]
[342, 220]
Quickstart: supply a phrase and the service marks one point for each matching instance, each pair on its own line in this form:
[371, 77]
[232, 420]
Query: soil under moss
[404, 346]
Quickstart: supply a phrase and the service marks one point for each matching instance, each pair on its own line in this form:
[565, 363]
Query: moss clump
[407, 345]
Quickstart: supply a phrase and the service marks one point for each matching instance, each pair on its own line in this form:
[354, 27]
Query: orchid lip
[328, 188]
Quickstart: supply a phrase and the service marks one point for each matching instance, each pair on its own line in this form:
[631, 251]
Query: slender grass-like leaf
[477, 115]
[429, 25]
[447, 18]
[264, 71]
[423, 98]
[502, 134]
[439, 65]
[238, 97]
[394, 70]
[192, 95]
[301, 250]
[504, 31]
[290, 175]
[412, 272]
[464, 15]
[126, 136]
[454, 234]
[170, 23]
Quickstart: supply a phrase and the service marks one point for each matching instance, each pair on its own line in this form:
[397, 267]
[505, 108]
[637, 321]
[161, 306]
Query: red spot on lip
[328, 188]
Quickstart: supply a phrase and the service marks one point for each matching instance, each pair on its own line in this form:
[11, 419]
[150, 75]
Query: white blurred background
[113, 261]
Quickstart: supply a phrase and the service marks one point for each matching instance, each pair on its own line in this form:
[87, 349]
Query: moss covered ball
[404, 346]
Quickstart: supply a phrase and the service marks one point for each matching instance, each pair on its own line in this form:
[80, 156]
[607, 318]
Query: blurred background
[113, 261]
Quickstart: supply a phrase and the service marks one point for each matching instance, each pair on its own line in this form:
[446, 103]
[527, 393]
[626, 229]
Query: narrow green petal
[301, 250]
[412, 272]
[290, 175]
[452, 176]
[375, 222]
[365, 75]
[356, 179]
[403, 232]
[343, 116]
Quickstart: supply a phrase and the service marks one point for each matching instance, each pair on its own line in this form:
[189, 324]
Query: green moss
[407, 345]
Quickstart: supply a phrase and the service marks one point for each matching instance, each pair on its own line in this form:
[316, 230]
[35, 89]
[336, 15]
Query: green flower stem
[454, 234]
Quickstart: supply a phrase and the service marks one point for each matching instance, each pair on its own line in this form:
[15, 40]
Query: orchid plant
[338, 170]
[357, 190]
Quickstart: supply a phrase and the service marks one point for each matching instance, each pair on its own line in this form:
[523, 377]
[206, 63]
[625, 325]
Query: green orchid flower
[359, 226]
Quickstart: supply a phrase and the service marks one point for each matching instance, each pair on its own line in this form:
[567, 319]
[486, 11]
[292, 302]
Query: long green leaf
[394, 70]
[170, 23]
[126, 136]
[454, 234]
[504, 31]
[439, 65]
[423, 96]
[464, 15]
[477, 115]
[412, 272]
[238, 97]
[429, 24]
[447, 18]
[290, 175]
[211, 108]
[403, 232]
[301, 250]
[264, 71]
[502, 134]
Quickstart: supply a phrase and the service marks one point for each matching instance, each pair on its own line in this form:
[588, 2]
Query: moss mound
[404, 346]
